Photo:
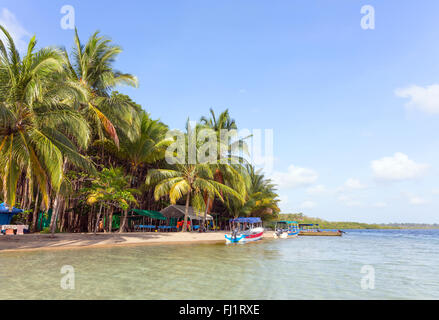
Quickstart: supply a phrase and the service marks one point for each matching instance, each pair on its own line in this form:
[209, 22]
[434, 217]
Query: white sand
[87, 240]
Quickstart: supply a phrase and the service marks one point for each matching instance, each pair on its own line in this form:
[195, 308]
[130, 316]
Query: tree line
[72, 144]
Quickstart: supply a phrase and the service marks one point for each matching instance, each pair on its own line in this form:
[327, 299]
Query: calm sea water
[405, 263]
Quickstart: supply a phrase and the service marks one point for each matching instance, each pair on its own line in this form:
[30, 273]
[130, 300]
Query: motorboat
[245, 230]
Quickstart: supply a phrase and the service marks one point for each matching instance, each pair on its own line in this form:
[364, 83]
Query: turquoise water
[406, 266]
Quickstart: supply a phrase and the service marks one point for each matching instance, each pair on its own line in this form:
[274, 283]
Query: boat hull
[245, 237]
[320, 234]
[286, 235]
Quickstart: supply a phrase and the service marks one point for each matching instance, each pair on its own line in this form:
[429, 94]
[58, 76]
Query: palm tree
[228, 150]
[224, 121]
[148, 145]
[261, 200]
[92, 69]
[39, 129]
[225, 172]
[190, 180]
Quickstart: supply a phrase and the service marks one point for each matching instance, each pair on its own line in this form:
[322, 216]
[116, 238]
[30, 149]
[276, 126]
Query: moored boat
[286, 229]
[245, 230]
[313, 230]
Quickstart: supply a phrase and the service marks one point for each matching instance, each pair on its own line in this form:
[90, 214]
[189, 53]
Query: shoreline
[64, 241]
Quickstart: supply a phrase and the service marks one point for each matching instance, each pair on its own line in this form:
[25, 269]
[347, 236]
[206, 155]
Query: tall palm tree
[225, 172]
[39, 129]
[190, 180]
[92, 69]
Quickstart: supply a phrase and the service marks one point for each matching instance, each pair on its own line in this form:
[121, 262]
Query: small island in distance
[323, 224]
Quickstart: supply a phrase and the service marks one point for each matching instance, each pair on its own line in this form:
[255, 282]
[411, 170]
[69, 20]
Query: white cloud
[425, 99]
[14, 27]
[294, 177]
[435, 191]
[318, 189]
[307, 205]
[415, 200]
[396, 168]
[354, 184]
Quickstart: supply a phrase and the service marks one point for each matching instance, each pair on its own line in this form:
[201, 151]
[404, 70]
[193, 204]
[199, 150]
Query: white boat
[286, 229]
[245, 230]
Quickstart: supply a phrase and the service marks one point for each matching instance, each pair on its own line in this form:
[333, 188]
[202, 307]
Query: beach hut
[6, 214]
[177, 212]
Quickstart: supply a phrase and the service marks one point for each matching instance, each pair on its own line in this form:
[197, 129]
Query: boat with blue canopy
[245, 230]
[286, 229]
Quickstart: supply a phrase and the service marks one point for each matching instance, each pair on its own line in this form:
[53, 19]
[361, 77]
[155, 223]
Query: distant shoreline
[323, 224]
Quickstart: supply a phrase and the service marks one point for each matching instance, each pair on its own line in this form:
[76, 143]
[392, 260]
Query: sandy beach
[87, 240]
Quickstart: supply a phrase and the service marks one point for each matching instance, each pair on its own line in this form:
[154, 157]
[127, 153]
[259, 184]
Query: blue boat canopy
[5, 209]
[288, 222]
[6, 214]
[248, 220]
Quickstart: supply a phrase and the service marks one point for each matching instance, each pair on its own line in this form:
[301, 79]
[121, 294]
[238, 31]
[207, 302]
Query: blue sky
[355, 112]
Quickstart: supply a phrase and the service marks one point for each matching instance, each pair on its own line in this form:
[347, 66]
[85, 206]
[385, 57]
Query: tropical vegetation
[71, 145]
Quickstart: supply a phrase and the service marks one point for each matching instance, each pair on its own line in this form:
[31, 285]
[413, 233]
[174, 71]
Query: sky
[354, 111]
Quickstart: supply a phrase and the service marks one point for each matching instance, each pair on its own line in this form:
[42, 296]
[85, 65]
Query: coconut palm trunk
[98, 218]
[35, 213]
[54, 218]
[57, 204]
[186, 212]
[110, 221]
[205, 213]
[125, 216]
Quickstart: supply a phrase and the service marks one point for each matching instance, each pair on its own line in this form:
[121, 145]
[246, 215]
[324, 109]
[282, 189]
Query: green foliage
[261, 201]
[39, 126]
[69, 138]
[188, 180]
[46, 231]
[91, 68]
[111, 188]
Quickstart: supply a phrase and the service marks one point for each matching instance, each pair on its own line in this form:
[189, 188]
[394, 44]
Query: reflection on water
[406, 265]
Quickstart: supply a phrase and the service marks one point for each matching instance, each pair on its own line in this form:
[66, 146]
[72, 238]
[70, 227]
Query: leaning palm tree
[39, 129]
[92, 69]
[190, 180]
